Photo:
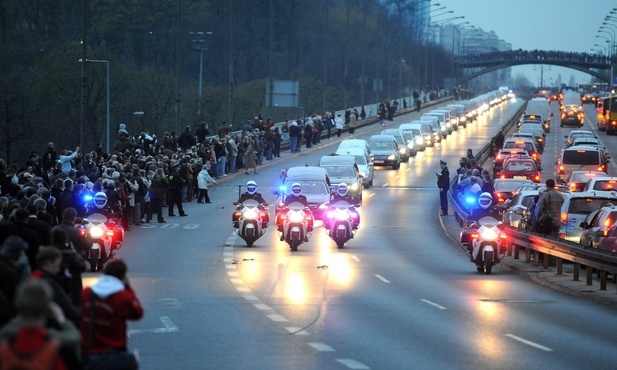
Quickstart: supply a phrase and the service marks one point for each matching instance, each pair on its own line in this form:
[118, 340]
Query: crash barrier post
[562, 250]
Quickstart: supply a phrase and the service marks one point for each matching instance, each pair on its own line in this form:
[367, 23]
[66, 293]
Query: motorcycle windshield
[296, 206]
[341, 204]
[97, 218]
[250, 203]
[488, 221]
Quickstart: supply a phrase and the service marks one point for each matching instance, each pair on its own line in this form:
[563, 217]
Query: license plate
[377, 161]
[520, 177]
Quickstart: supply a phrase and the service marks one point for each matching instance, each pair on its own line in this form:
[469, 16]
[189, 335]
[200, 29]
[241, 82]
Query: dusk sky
[565, 25]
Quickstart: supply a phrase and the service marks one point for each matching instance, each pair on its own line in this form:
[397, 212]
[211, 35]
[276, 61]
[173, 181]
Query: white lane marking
[170, 327]
[370, 195]
[321, 347]
[397, 176]
[229, 266]
[250, 297]
[407, 170]
[233, 273]
[237, 281]
[242, 289]
[382, 278]
[262, 306]
[529, 343]
[297, 330]
[355, 258]
[229, 254]
[277, 318]
[352, 364]
[433, 304]
[384, 185]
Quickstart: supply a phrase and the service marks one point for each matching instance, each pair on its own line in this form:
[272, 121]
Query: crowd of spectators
[536, 55]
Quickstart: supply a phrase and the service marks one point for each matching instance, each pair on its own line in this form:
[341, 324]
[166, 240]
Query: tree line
[334, 48]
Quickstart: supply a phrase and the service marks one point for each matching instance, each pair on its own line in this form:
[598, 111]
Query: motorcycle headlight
[391, 157]
[341, 216]
[489, 234]
[295, 217]
[96, 232]
[250, 214]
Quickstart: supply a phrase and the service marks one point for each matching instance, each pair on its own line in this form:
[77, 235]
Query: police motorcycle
[294, 220]
[250, 218]
[484, 240]
[341, 220]
[103, 227]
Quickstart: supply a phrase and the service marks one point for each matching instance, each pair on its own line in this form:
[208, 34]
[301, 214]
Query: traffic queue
[332, 191]
[589, 209]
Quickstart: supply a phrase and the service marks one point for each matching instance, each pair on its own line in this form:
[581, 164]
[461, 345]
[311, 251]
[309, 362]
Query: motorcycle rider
[102, 206]
[251, 193]
[342, 194]
[485, 208]
[295, 196]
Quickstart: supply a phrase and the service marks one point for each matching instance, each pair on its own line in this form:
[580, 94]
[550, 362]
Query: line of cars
[589, 211]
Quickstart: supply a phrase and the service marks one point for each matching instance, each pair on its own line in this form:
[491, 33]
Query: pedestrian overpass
[475, 65]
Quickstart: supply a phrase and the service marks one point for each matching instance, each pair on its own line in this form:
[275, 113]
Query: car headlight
[443, 128]
[448, 125]
[410, 145]
[355, 186]
[419, 141]
[362, 173]
[96, 232]
[402, 150]
[391, 157]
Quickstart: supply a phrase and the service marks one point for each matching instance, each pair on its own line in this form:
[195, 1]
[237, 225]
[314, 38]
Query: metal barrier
[562, 250]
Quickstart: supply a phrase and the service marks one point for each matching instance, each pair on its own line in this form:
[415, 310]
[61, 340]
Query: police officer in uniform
[176, 183]
[251, 193]
[443, 183]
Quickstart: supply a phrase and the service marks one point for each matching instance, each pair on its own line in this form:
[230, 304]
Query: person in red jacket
[114, 302]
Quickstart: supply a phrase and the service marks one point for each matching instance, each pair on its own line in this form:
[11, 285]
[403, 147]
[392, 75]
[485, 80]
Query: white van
[355, 143]
[580, 158]
[451, 122]
[413, 132]
[426, 130]
[364, 162]
[540, 107]
[444, 124]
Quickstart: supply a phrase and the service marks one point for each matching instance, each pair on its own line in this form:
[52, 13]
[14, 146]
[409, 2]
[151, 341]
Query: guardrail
[542, 247]
[562, 250]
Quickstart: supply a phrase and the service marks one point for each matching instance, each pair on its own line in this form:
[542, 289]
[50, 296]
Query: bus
[607, 115]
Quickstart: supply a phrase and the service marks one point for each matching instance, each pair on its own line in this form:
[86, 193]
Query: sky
[564, 25]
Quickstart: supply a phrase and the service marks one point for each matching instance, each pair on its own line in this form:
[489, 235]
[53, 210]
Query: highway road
[400, 295]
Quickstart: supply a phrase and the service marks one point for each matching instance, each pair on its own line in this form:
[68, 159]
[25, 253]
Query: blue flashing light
[88, 197]
[470, 200]
[283, 188]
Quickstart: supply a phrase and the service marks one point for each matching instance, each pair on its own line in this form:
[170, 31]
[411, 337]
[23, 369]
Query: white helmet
[251, 187]
[342, 189]
[100, 200]
[296, 188]
[485, 200]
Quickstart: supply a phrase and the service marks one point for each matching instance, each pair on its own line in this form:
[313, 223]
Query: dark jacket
[443, 179]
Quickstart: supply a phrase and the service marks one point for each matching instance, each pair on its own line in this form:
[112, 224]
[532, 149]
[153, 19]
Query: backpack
[143, 189]
[42, 359]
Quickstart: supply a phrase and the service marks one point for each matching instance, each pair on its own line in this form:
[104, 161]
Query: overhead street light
[107, 119]
[199, 43]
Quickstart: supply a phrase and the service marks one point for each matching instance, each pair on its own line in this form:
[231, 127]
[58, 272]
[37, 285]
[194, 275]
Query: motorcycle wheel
[293, 245]
[94, 260]
[249, 241]
[340, 244]
[479, 268]
[488, 262]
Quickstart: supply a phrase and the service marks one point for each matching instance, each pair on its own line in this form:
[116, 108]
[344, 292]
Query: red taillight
[83, 232]
[503, 176]
[537, 178]
[561, 170]
[503, 235]
[564, 218]
[500, 197]
[601, 169]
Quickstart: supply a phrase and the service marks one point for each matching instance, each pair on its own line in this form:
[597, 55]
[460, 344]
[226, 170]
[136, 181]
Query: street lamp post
[199, 43]
[107, 114]
[433, 49]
